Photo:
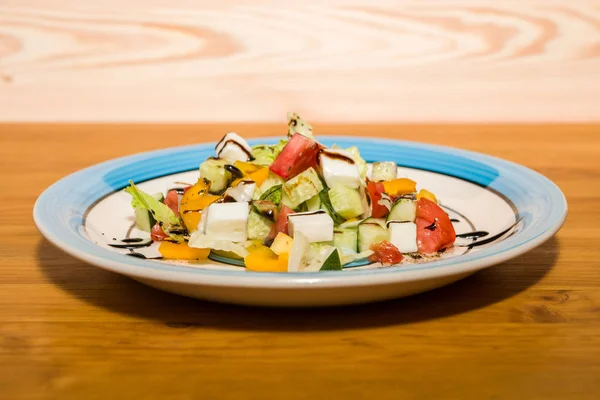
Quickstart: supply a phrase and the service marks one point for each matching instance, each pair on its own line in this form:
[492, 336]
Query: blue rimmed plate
[87, 213]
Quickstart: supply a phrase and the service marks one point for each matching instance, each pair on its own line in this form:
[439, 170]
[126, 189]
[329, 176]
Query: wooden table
[526, 329]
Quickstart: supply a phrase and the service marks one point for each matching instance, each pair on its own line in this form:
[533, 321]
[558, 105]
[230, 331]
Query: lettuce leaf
[201, 241]
[160, 212]
[298, 125]
[265, 155]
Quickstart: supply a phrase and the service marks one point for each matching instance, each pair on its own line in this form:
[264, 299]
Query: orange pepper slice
[260, 175]
[400, 186]
[181, 251]
[263, 259]
[246, 167]
[426, 194]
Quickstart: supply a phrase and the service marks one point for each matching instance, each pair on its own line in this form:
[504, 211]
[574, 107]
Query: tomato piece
[157, 233]
[281, 224]
[434, 228]
[375, 190]
[385, 253]
[296, 157]
[172, 201]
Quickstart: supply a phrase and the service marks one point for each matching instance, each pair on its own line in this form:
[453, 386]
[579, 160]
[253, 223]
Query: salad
[295, 206]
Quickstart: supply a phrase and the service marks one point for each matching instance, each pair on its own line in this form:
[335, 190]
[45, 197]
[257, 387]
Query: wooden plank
[335, 61]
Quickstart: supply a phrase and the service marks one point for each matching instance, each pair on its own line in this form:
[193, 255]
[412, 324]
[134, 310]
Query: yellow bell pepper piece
[400, 186]
[181, 251]
[260, 175]
[193, 201]
[263, 259]
[426, 194]
[246, 167]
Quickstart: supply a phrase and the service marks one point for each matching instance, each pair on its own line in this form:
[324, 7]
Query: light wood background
[352, 60]
[526, 329]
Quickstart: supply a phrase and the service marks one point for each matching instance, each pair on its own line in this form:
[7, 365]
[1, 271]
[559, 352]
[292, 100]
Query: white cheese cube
[338, 166]
[243, 191]
[316, 226]
[403, 235]
[227, 221]
[232, 147]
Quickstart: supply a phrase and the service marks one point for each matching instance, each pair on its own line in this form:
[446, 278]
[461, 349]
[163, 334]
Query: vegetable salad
[295, 206]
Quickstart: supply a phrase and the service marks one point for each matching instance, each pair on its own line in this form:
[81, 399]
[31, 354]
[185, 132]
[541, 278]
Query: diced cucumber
[265, 209]
[371, 231]
[351, 224]
[326, 205]
[214, 170]
[144, 220]
[272, 194]
[314, 203]
[404, 210]
[303, 187]
[346, 201]
[285, 201]
[258, 227]
[384, 171]
[346, 239]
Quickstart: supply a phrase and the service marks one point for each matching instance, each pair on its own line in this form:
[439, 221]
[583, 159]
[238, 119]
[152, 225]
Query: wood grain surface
[526, 329]
[337, 61]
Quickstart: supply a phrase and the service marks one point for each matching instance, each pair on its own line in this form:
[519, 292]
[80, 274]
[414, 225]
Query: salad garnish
[294, 206]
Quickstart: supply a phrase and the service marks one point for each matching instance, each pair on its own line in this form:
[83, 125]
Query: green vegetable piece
[326, 204]
[273, 194]
[303, 187]
[159, 211]
[333, 262]
[298, 125]
[214, 170]
[346, 201]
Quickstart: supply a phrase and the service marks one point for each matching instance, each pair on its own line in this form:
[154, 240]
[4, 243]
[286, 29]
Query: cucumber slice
[346, 240]
[326, 205]
[272, 194]
[303, 187]
[214, 170]
[346, 201]
[371, 231]
[333, 262]
[351, 224]
[144, 220]
[258, 227]
[384, 171]
[404, 210]
[265, 209]
[314, 203]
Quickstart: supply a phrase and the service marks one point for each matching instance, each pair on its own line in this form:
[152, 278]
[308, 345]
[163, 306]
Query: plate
[86, 214]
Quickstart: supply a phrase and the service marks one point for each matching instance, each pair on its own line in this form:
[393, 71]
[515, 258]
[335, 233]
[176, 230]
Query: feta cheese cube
[243, 191]
[227, 221]
[232, 147]
[403, 235]
[338, 166]
[316, 226]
